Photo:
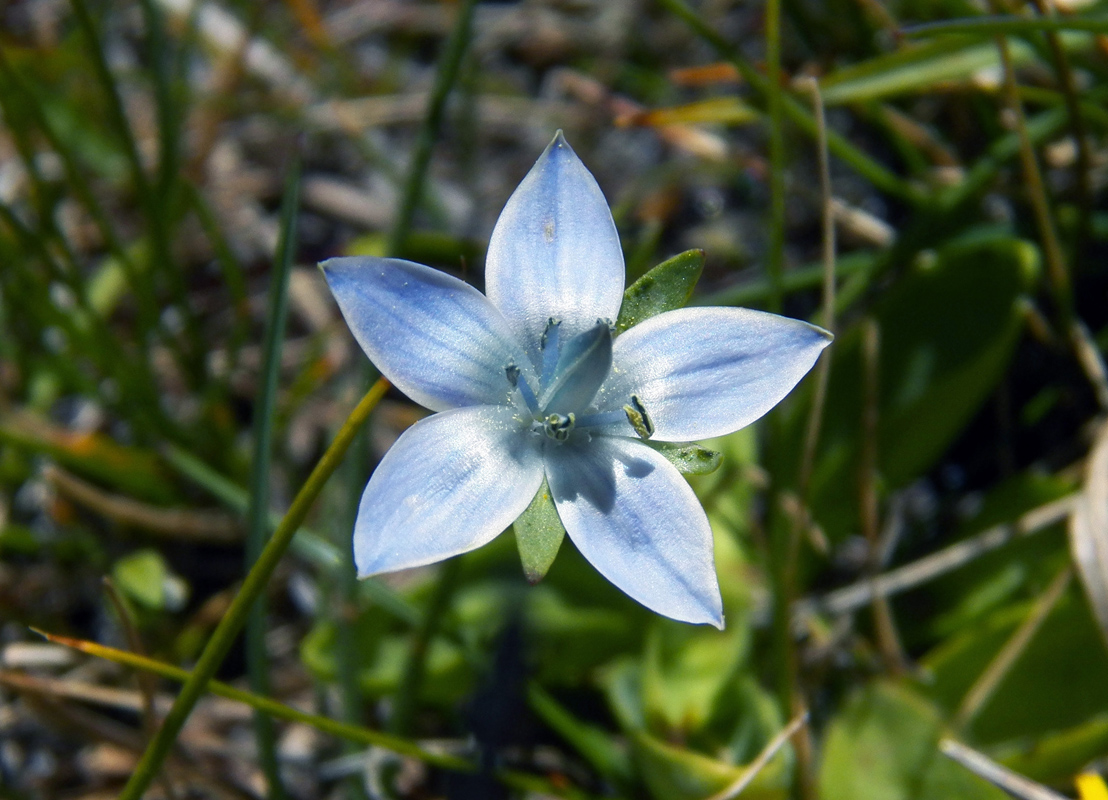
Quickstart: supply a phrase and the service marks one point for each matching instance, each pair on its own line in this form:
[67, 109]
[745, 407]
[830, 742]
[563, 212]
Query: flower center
[571, 373]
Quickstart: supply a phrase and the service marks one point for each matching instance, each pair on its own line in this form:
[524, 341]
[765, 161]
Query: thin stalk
[776, 264]
[1083, 162]
[147, 683]
[256, 659]
[354, 733]
[801, 521]
[227, 630]
[839, 145]
[1036, 191]
[986, 684]
[445, 78]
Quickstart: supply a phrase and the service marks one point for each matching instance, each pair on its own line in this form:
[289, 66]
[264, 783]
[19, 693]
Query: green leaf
[539, 534]
[673, 773]
[884, 746]
[596, 745]
[1057, 682]
[146, 578]
[690, 459]
[1057, 757]
[684, 671]
[666, 287]
[382, 661]
[947, 331]
[916, 69]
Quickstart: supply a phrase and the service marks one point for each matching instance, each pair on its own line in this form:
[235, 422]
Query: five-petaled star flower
[528, 381]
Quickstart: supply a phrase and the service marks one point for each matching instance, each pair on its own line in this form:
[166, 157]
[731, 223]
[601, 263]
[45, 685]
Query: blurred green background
[913, 547]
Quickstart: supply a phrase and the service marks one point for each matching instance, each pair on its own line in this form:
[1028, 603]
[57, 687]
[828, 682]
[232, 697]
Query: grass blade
[265, 409]
[224, 635]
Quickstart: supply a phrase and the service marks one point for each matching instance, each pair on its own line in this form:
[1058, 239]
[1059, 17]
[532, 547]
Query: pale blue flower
[528, 381]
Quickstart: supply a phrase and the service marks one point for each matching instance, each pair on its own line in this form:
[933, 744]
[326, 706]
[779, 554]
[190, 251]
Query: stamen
[558, 426]
[639, 419]
[513, 373]
[551, 347]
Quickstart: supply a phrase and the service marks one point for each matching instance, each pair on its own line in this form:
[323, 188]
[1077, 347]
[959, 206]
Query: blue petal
[555, 252]
[634, 517]
[451, 483]
[704, 372]
[434, 337]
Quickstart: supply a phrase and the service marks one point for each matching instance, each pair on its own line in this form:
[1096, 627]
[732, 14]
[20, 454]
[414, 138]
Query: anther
[558, 426]
[517, 382]
[639, 419]
[551, 345]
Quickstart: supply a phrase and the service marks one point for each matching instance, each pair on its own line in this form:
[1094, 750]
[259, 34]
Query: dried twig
[215, 527]
[851, 598]
[759, 763]
[1011, 782]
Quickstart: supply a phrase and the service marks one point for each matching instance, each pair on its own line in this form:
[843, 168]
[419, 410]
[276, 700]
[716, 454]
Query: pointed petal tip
[559, 139]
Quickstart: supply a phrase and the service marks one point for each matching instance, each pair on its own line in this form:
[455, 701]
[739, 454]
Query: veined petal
[634, 517]
[434, 337]
[704, 372]
[451, 483]
[554, 251]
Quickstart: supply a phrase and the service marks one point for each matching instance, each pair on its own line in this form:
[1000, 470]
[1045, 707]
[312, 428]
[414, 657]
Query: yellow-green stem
[228, 629]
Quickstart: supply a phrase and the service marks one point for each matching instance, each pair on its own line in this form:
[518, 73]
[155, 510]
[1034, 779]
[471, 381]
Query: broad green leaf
[969, 595]
[883, 745]
[1055, 757]
[146, 578]
[382, 659]
[569, 638]
[947, 331]
[690, 459]
[1056, 683]
[622, 683]
[685, 669]
[673, 773]
[666, 287]
[539, 534]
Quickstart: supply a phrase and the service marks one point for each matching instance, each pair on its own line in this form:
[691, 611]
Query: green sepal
[539, 534]
[666, 287]
[690, 459]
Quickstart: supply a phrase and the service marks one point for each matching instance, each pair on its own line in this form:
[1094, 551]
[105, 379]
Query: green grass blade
[228, 629]
[445, 78]
[267, 706]
[987, 27]
[839, 145]
[265, 410]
